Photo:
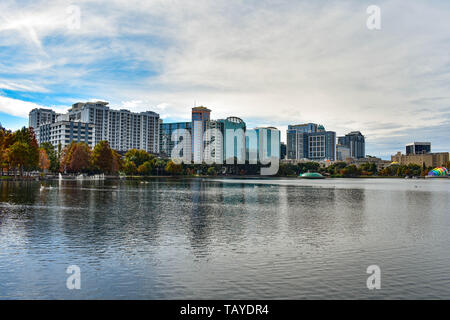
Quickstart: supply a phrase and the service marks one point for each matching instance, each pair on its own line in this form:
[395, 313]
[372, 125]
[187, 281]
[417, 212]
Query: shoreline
[253, 177]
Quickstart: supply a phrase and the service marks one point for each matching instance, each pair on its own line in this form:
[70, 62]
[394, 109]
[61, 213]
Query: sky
[271, 63]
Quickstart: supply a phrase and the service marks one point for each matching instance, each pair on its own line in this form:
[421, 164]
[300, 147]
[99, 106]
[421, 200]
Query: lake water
[225, 239]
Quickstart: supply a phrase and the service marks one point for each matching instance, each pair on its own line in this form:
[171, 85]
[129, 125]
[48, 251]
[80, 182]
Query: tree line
[21, 154]
[343, 169]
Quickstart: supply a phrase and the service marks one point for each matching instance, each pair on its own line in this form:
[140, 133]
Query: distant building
[124, 130]
[355, 141]
[427, 159]
[40, 116]
[200, 118]
[342, 152]
[282, 150]
[166, 143]
[65, 132]
[259, 144]
[380, 163]
[310, 141]
[233, 124]
[92, 112]
[128, 130]
[418, 148]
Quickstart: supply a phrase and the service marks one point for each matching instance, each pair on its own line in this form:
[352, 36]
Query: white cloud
[16, 107]
[277, 62]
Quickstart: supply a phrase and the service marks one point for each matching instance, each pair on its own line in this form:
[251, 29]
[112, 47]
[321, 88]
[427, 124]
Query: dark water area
[225, 239]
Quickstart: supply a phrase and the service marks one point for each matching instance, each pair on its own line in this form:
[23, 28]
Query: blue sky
[268, 62]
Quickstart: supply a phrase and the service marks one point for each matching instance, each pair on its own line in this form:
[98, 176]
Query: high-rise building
[322, 146]
[128, 130]
[65, 132]
[92, 112]
[40, 116]
[166, 143]
[262, 144]
[310, 141]
[282, 150]
[200, 118]
[342, 152]
[124, 130]
[233, 132]
[418, 148]
[355, 141]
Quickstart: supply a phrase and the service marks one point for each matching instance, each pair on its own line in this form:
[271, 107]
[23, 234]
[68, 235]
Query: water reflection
[194, 238]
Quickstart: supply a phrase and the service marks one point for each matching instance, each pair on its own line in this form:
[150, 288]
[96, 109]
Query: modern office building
[233, 132]
[282, 150]
[355, 141]
[200, 118]
[40, 116]
[65, 132]
[310, 141]
[166, 143]
[262, 144]
[418, 148]
[214, 142]
[322, 146]
[342, 152]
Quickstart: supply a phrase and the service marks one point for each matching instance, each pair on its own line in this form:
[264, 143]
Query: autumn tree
[117, 162]
[5, 141]
[102, 158]
[18, 155]
[173, 168]
[52, 156]
[76, 158]
[80, 158]
[145, 169]
[44, 162]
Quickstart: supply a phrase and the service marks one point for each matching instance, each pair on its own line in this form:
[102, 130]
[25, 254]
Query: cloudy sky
[269, 62]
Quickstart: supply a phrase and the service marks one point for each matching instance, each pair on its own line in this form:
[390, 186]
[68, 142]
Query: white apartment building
[124, 130]
[65, 132]
[41, 116]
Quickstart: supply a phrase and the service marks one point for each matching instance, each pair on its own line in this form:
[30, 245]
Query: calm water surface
[225, 239]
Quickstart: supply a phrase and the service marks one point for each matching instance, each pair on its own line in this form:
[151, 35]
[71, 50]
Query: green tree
[138, 157]
[350, 171]
[145, 169]
[211, 171]
[160, 166]
[18, 155]
[129, 168]
[173, 168]
[308, 167]
[52, 156]
[28, 138]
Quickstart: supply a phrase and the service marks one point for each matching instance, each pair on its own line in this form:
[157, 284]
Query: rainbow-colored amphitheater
[438, 172]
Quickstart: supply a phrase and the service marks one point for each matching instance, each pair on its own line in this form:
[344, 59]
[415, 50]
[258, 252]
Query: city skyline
[391, 84]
